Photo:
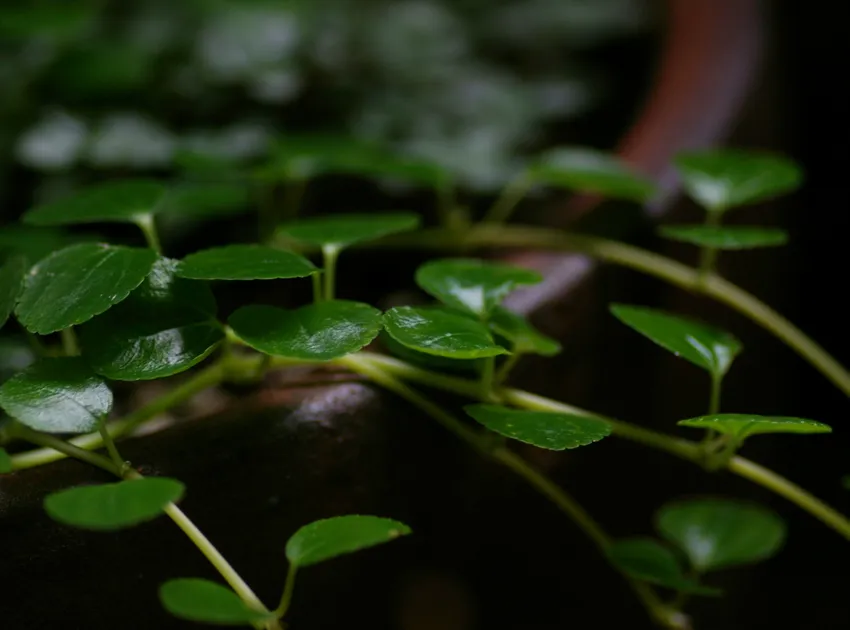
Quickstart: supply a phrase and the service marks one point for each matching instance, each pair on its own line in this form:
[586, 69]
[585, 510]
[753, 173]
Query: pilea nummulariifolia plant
[101, 312]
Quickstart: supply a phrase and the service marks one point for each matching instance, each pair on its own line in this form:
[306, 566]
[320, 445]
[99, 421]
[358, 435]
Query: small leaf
[318, 332]
[111, 506]
[342, 230]
[5, 462]
[726, 178]
[195, 599]
[440, 332]
[245, 262]
[719, 533]
[742, 425]
[122, 201]
[332, 537]
[524, 337]
[587, 170]
[725, 237]
[203, 200]
[705, 346]
[165, 327]
[649, 560]
[553, 431]
[11, 284]
[74, 284]
[59, 395]
[472, 285]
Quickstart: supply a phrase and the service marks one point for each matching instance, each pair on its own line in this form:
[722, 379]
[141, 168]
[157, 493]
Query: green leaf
[440, 332]
[587, 170]
[195, 599]
[166, 326]
[553, 431]
[318, 332]
[112, 506]
[35, 243]
[204, 200]
[58, 395]
[725, 237]
[725, 178]
[245, 262]
[122, 201]
[742, 425]
[472, 285]
[649, 560]
[705, 346]
[341, 230]
[332, 537]
[5, 462]
[11, 284]
[720, 533]
[524, 337]
[57, 21]
[74, 284]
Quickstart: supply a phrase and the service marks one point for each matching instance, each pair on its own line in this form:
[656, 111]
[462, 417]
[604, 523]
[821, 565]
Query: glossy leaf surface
[524, 337]
[742, 425]
[245, 262]
[195, 599]
[57, 395]
[74, 284]
[112, 506]
[553, 431]
[720, 533]
[318, 332]
[341, 230]
[122, 201]
[440, 332]
[729, 238]
[649, 560]
[11, 284]
[322, 540]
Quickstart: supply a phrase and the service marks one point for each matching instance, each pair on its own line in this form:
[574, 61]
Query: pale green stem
[288, 589]
[317, 287]
[507, 366]
[148, 227]
[508, 200]
[708, 253]
[69, 342]
[110, 446]
[330, 254]
[487, 377]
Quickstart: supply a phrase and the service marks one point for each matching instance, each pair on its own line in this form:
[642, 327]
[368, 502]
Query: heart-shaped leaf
[318, 332]
[74, 284]
[166, 326]
[112, 506]
[440, 332]
[726, 178]
[721, 237]
[208, 199]
[524, 337]
[649, 560]
[705, 346]
[332, 537]
[5, 462]
[245, 262]
[742, 425]
[59, 395]
[472, 285]
[587, 170]
[341, 230]
[553, 431]
[11, 284]
[122, 201]
[200, 600]
[720, 533]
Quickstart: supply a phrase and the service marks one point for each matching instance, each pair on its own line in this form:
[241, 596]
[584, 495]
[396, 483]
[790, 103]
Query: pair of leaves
[201, 600]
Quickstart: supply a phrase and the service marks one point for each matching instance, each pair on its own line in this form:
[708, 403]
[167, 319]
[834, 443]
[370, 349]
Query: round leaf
[718, 533]
[74, 284]
[703, 345]
[123, 201]
[341, 230]
[332, 537]
[318, 332]
[11, 284]
[195, 599]
[5, 462]
[587, 170]
[725, 178]
[553, 431]
[742, 425]
[472, 285]
[440, 332]
[649, 560]
[245, 262]
[166, 326]
[60, 395]
[111, 506]
[725, 237]
[524, 337]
